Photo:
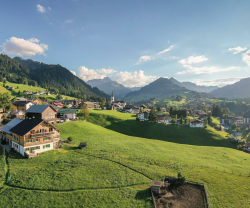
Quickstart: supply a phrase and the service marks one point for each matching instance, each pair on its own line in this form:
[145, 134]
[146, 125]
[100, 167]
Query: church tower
[112, 97]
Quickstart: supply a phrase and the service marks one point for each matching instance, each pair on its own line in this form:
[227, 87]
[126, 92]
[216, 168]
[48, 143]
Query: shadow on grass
[158, 131]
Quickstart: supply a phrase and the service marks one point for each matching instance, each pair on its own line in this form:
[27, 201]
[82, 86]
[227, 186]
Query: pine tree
[181, 121]
[152, 115]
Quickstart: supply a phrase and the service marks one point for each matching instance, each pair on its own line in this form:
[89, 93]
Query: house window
[48, 145]
[50, 138]
[38, 147]
[44, 139]
[34, 148]
[34, 140]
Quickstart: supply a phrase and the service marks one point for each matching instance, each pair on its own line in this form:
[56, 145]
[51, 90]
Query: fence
[201, 185]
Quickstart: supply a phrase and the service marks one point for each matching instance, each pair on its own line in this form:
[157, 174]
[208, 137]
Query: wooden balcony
[42, 134]
[27, 144]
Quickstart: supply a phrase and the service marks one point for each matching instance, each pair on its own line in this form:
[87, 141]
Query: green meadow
[122, 157]
[23, 87]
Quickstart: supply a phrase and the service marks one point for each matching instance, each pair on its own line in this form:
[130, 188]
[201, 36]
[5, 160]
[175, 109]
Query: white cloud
[73, 72]
[21, 47]
[218, 82]
[49, 8]
[166, 50]
[193, 60]
[237, 49]
[174, 57]
[246, 57]
[145, 58]
[40, 8]
[68, 21]
[106, 71]
[206, 69]
[132, 79]
[89, 74]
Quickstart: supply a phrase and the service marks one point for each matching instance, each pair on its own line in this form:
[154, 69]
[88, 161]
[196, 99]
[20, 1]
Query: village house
[246, 147]
[27, 92]
[144, 106]
[5, 130]
[90, 105]
[58, 104]
[119, 103]
[143, 116]
[136, 110]
[235, 136]
[19, 99]
[22, 105]
[46, 112]
[17, 114]
[161, 118]
[239, 120]
[36, 93]
[108, 106]
[42, 92]
[196, 123]
[168, 118]
[67, 113]
[10, 87]
[31, 136]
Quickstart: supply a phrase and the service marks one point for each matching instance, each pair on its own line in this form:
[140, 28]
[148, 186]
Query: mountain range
[107, 85]
[237, 90]
[160, 89]
[194, 87]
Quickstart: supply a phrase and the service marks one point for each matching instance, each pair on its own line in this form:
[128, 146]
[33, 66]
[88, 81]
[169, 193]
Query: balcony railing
[27, 144]
[42, 134]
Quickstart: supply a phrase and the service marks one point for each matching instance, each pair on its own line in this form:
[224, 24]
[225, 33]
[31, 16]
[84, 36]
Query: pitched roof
[38, 108]
[27, 125]
[66, 110]
[10, 125]
[237, 134]
[21, 102]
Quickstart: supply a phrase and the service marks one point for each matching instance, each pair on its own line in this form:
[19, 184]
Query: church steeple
[112, 97]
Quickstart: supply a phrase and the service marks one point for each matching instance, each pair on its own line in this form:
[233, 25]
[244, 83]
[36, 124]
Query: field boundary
[78, 189]
[119, 164]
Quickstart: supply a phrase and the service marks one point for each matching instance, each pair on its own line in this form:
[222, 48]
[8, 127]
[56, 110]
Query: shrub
[83, 144]
[181, 178]
[5, 121]
[239, 147]
[70, 139]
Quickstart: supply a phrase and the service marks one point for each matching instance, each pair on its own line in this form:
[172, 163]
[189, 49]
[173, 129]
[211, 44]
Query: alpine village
[125, 104]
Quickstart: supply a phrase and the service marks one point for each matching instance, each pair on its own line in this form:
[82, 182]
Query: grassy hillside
[115, 170]
[23, 87]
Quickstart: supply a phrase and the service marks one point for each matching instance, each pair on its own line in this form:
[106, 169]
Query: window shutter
[50, 138]
[38, 147]
[25, 142]
[43, 146]
[39, 139]
[34, 148]
[48, 145]
[25, 149]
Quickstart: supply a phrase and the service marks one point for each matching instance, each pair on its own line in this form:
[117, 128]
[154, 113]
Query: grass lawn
[2, 167]
[23, 87]
[116, 169]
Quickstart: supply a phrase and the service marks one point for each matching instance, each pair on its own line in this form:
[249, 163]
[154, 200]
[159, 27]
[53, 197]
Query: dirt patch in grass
[186, 195]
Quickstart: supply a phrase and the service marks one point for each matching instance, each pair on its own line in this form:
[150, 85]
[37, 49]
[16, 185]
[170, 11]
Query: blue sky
[133, 42]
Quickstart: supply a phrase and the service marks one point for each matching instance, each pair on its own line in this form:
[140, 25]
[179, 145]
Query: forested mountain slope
[47, 76]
